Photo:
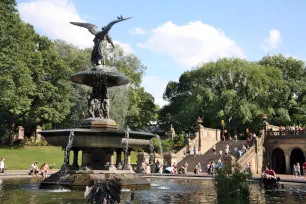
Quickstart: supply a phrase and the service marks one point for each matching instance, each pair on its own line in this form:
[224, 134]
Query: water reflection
[25, 191]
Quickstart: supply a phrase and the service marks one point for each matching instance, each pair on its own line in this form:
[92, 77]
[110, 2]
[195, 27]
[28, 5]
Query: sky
[173, 36]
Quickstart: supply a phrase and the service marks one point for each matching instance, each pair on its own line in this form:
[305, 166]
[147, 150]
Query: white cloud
[191, 44]
[137, 31]
[155, 86]
[53, 17]
[89, 17]
[295, 57]
[125, 46]
[272, 41]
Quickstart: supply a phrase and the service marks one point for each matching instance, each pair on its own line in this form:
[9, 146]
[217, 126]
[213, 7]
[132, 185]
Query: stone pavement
[20, 174]
[203, 175]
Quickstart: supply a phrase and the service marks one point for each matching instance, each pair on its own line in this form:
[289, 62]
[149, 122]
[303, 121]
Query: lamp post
[222, 123]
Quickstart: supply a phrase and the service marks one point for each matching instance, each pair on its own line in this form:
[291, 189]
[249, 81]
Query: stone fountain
[98, 137]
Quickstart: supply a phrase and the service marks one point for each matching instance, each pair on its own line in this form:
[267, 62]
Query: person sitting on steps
[34, 169]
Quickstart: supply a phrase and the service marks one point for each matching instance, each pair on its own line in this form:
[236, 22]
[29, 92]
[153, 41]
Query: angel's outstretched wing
[91, 27]
[110, 25]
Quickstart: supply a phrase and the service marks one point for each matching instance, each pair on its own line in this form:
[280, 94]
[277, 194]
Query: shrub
[234, 184]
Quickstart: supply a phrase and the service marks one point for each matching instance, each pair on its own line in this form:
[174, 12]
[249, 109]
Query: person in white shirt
[247, 167]
[34, 169]
[220, 152]
[244, 148]
[240, 152]
[214, 149]
[219, 161]
[2, 165]
[226, 152]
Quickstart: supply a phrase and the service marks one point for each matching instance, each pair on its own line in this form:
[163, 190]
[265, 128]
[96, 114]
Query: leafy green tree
[234, 90]
[292, 108]
[33, 83]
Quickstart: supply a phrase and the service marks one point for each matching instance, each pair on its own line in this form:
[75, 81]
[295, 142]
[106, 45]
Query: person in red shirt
[266, 173]
[272, 174]
[304, 169]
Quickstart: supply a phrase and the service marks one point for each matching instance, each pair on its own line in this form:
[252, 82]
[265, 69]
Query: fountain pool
[24, 191]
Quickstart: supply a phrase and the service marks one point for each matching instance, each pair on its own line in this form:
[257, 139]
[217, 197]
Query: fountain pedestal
[92, 123]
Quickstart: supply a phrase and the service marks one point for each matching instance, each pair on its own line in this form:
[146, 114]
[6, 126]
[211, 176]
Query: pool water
[26, 191]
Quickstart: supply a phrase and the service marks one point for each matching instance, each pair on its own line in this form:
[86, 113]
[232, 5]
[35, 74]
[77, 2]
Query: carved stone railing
[185, 149]
[246, 157]
[286, 133]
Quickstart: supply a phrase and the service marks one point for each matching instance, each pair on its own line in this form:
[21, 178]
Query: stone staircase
[210, 156]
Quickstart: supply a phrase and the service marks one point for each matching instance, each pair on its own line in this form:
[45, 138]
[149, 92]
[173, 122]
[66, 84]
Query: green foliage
[34, 85]
[21, 158]
[292, 108]
[234, 184]
[179, 142]
[167, 145]
[238, 92]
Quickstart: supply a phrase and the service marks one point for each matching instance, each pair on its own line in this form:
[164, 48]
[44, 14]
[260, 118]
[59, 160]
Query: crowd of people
[296, 170]
[34, 170]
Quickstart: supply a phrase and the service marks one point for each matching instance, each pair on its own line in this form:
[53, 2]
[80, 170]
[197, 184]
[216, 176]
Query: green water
[26, 191]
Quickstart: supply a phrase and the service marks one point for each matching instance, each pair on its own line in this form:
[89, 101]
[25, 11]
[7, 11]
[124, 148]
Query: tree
[33, 82]
[292, 109]
[234, 90]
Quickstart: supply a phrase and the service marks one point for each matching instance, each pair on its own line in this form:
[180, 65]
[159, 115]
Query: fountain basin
[99, 137]
[79, 181]
[106, 75]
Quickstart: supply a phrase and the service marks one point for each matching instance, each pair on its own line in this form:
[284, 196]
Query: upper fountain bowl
[109, 75]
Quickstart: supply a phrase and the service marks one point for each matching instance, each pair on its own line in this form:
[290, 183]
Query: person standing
[220, 152]
[2, 165]
[208, 168]
[304, 169]
[298, 169]
[294, 170]
[185, 165]
[214, 149]
[200, 167]
[226, 151]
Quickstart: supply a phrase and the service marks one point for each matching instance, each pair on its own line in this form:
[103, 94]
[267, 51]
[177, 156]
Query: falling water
[65, 167]
[151, 152]
[119, 104]
[160, 146]
[127, 136]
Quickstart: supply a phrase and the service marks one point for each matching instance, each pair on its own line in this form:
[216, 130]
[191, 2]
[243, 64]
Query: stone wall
[207, 138]
[286, 144]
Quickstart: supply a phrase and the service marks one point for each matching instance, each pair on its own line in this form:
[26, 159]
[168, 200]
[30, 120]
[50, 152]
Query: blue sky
[171, 37]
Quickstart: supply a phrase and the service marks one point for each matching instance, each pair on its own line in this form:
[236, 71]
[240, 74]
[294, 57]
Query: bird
[120, 17]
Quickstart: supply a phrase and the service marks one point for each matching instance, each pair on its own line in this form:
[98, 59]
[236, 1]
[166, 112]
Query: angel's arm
[110, 25]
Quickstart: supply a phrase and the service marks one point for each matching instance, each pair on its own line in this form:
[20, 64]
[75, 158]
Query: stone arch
[297, 155]
[278, 161]
[296, 147]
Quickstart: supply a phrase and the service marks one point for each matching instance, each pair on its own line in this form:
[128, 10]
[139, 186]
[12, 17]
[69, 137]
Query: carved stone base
[99, 123]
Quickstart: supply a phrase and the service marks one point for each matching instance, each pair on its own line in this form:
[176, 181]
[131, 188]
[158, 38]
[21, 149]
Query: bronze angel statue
[101, 39]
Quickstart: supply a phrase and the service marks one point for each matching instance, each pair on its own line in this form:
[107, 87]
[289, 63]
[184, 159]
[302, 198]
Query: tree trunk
[11, 132]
